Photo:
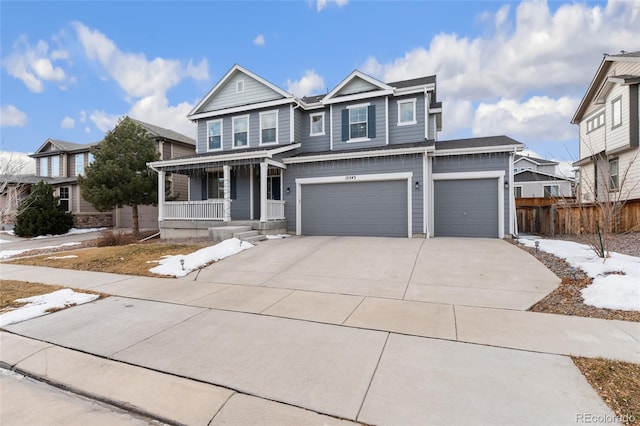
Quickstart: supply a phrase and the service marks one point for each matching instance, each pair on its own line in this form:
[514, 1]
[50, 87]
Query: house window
[63, 198]
[317, 124]
[240, 131]
[214, 135]
[215, 185]
[517, 191]
[55, 166]
[91, 158]
[616, 115]
[595, 122]
[358, 123]
[268, 127]
[79, 164]
[406, 112]
[273, 184]
[44, 166]
[239, 86]
[613, 175]
[551, 191]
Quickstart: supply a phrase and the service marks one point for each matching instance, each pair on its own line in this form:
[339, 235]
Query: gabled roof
[161, 132]
[534, 160]
[481, 142]
[380, 87]
[600, 80]
[536, 176]
[413, 82]
[226, 78]
[62, 146]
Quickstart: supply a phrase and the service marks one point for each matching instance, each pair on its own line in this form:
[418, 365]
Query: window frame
[614, 179]
[44, 171]
[412, 101]
[366, 123]
[616, 105]
[67, 198]
[262, 114]
[596, 121]
[233, 131]
[550, 192]
[240, 86]
[516, 189]
[81, 172]
[209, 123]
[311, 117]
[55, 166]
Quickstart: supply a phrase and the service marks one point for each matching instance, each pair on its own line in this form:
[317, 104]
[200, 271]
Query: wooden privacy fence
[550, 217]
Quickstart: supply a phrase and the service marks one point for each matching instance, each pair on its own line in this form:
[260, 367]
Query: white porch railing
[275, 209]
[194, 210]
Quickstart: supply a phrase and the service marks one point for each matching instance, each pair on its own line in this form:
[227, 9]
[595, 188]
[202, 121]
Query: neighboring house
[539, 178]
[13, 189]
[361, 160]
[609, 120]
[60, 163]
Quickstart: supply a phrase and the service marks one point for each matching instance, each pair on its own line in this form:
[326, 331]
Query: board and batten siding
[254, 129]
[336, 127]
[228, 97]
[361, 166]
[477, 163]
[408, 132]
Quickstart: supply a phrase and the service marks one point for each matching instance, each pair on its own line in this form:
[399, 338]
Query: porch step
[221, 233]
[245, 234]
[254, 238]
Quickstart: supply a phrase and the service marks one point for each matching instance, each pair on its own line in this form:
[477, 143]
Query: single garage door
[358, 208]
[466, 208]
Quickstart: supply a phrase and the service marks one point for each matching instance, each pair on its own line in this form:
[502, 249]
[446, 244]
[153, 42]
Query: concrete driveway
[457, 271]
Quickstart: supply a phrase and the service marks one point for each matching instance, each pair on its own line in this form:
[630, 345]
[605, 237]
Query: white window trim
[516, 187]
[263, 114]
[81, 172]
[68, 198]
[407, 123]
[221, 135]
[233, 131]
[311, 116]
[240, 86]
[618, 101]
[44, 161]
[54, 172]
[365, 139]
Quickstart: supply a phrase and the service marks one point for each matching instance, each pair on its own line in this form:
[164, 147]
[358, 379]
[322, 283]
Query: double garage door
[466, 208]
[377, 208]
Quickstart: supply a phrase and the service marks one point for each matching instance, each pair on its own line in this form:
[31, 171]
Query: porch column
[263, 191]
[226, 170]
[160, 195]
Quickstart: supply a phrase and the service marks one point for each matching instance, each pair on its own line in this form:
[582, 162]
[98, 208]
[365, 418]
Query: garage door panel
[466, 208]
[355, 209]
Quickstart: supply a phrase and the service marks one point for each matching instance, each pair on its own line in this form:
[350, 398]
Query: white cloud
[156, 110]
[67, 123]
[83, 116]
[87, 129]
[259, 40]
[310, 84]
[34, 64]
[528, 51]
[321, 4]
[16, 163]
[136, 75]
[10, 116]
[104, 121]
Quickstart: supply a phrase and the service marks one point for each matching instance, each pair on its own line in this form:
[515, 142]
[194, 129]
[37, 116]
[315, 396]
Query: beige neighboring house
[609, 123]
[60, 163]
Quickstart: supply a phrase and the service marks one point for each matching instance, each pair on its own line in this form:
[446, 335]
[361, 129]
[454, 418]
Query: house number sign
[350, 178]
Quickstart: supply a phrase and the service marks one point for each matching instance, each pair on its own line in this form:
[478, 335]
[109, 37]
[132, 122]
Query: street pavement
[270, 337]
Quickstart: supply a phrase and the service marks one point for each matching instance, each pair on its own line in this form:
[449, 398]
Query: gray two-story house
[361, 160]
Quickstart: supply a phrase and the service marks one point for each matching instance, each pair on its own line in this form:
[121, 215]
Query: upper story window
[239, 86]
[316, 124]
[359, 123]
[595, 122]
[614, 181]
[268, 127]
[79, 164]
[616, 113]
[55, 166]
[44, 166]
[214, 135]
[240, 131]
[406, 112]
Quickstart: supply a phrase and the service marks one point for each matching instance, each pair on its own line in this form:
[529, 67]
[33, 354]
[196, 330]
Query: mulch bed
[567, 299]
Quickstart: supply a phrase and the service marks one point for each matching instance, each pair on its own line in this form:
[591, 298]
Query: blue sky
[70, 69]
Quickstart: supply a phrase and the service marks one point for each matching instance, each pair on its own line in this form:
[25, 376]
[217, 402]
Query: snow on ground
[72, 231]
[610, 289]
[4, 241]
[8, 232]
[38, 305]
[71, 256]
[277, 236]
[170, 265]
[4, 254]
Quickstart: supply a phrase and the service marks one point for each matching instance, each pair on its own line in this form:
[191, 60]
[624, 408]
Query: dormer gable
[239, 88]
[357, 85]
[58, 146]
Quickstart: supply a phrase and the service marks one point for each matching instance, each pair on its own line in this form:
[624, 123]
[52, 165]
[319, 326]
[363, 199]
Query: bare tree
[13, 168]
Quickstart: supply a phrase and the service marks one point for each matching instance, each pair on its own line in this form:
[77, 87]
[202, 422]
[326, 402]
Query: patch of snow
[4, 241]
[609, 289]
[170, 265]
[71, 256]
[4, 254]
[8, 232]
[72, 231]
[277, 236]
[38, 305]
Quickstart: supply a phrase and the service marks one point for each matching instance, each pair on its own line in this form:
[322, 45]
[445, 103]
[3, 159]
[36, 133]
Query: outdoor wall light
[417, 185]
[506, 185]
[288, 190]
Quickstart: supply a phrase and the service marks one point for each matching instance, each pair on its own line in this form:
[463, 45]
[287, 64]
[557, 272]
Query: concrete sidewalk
[285, 355]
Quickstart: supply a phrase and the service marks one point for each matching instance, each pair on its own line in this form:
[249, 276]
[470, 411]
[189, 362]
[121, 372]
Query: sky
[71, 69]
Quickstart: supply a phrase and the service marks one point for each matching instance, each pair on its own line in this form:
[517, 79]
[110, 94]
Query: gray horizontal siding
[379, 140]
[299, 117]
[407, 163]
[357, 85]
[254, 92]
[406, 133]
[315, 143]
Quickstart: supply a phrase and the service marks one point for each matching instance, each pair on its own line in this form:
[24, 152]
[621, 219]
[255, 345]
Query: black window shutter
[371, 131]
[345, 124]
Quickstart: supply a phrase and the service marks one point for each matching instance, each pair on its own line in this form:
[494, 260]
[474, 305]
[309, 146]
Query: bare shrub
[114, 238]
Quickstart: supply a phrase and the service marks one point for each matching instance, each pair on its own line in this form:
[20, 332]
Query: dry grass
[617, 382]
[131, 259]
[10, 290]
